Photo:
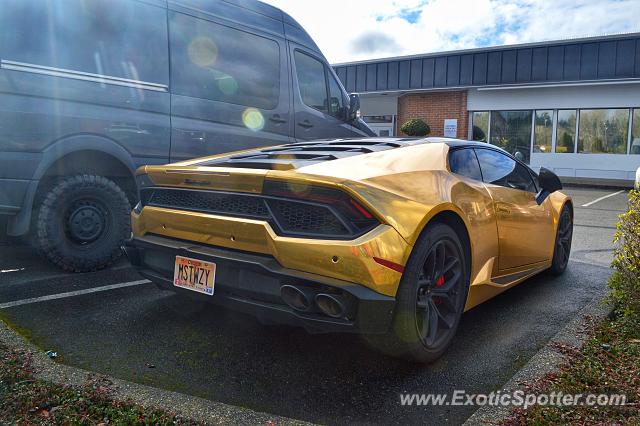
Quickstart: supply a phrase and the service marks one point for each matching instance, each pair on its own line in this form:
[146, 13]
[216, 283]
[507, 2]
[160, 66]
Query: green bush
[415, 127]
[625, 282]
[478, 134]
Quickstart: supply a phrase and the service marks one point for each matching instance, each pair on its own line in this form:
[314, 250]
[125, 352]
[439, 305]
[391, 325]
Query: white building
[572, 106]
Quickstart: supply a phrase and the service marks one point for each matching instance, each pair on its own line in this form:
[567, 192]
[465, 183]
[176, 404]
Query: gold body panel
[510, 239]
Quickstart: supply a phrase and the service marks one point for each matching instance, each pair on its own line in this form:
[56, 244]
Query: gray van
[90, 90]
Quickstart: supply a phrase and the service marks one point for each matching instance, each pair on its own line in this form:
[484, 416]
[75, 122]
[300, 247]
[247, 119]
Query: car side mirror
[354, 106]
[549, 183]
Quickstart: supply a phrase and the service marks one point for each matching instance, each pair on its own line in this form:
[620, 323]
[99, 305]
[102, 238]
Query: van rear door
[230, 88]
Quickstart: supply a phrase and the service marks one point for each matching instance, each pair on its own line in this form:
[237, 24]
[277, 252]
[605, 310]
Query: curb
[547, 360]
[190, 407]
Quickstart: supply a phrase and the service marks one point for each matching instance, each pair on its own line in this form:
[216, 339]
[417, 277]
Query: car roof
[302, 154]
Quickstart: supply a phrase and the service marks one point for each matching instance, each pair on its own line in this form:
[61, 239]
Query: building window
[480, 123]
[635, 133]
[603, 131]
[566, 131]
[511, 131]
[543, 132]
[369, 119]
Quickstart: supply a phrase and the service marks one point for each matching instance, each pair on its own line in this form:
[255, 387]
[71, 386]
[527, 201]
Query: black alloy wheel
[564, 236]
[439, 293]
[431, 298]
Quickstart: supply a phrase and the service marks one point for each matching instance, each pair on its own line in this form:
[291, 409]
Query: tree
[415, 127]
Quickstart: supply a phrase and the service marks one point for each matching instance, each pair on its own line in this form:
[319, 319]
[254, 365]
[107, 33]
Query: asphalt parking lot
[139, 333]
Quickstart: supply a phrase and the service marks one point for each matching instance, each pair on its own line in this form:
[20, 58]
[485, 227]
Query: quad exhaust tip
[302, 299]
[331, 305]
[295, 297]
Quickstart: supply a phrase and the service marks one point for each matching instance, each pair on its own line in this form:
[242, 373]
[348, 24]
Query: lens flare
[228, 85]
[203, 51]
[253, 119]
[298, 187]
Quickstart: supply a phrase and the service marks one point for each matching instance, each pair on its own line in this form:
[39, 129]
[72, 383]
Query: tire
[421, 298]
[562, 247]
[82, 222]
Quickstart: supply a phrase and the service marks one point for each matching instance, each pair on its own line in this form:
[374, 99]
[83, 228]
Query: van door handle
[306, 124]
[277, 119]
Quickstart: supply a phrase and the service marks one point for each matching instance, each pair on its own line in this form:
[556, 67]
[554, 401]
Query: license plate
[196, 275]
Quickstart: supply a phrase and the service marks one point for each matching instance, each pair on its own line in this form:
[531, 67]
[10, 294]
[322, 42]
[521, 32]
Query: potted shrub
[415, 127]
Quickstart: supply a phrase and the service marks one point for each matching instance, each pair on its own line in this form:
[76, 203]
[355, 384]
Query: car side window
[311, 82]
[499, 169]
[464, 162]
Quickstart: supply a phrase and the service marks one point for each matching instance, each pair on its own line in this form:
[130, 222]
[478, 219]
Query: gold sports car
[391, 238]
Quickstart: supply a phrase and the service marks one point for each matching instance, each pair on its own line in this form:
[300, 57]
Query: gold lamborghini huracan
[391, 238]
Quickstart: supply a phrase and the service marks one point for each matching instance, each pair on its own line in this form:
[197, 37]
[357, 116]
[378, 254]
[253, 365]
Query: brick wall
[433, 108]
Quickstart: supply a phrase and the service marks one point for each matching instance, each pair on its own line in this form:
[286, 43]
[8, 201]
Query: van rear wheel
[82, 223]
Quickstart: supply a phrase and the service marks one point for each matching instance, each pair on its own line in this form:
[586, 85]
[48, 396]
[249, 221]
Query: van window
[311, 81]
[336, 98]
[116, 38]
[219, 63]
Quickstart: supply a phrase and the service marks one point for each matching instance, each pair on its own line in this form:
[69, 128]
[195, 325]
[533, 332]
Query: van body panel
[33, 124]
[107, 77]
[227, 108]
[253, 14]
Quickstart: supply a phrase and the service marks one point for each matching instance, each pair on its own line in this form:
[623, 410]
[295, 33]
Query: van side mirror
[354, 106]
[549, 183]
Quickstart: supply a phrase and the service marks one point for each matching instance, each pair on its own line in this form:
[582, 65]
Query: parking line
[71, 294]
[590, 203]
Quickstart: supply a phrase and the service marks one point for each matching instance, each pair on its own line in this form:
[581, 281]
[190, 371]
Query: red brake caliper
[439, 283]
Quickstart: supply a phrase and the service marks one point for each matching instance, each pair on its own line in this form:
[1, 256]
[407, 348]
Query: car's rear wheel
[431, 298]
[82, 223]
[562, 249]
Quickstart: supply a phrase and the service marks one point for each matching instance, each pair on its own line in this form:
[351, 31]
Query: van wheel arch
[88, 162]
[112, 178]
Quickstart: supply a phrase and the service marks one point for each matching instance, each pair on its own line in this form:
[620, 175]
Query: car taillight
[349, 214]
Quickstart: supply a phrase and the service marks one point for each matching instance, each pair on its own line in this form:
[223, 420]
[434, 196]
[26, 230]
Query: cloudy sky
[348, 30]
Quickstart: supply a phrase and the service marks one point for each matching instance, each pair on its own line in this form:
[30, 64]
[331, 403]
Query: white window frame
[629, 139]
[554, 130]
[577, 138]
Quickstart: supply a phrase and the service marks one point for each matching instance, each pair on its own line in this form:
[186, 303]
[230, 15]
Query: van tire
[82, 223]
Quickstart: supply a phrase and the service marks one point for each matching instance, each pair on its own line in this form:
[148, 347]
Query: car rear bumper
[251, 284]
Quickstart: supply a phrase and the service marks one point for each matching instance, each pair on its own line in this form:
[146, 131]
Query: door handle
[503, 209]
[306, 124]
[277, 119]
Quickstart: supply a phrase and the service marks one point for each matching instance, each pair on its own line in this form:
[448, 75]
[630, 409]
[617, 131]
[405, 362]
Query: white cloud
[348, 30]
